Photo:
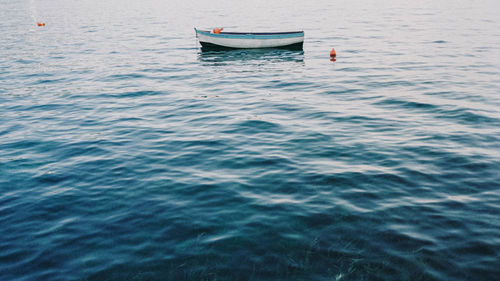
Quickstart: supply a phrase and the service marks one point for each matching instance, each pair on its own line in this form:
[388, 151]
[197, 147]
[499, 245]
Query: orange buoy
[40, 23]
[333, 53]
[217, 30]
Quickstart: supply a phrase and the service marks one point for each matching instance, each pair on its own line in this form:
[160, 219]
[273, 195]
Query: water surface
[126, 153]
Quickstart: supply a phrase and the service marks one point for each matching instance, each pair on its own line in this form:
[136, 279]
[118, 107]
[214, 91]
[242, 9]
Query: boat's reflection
[221, 57]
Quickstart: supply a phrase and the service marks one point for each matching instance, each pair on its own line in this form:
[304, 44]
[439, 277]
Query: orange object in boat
[217, 30]
[40, 23]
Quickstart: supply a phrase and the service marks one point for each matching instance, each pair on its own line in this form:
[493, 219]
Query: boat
[216, 39]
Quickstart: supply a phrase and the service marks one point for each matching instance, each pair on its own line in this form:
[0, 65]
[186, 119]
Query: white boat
[250, 40]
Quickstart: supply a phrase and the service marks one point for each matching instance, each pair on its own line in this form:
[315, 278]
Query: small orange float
[40, 23]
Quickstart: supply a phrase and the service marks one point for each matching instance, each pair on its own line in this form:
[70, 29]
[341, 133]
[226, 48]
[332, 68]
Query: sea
[128, 153]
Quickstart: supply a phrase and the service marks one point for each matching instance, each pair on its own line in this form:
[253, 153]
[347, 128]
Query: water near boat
[126, 153]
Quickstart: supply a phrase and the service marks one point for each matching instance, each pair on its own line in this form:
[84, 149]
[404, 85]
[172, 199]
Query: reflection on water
[220, 57]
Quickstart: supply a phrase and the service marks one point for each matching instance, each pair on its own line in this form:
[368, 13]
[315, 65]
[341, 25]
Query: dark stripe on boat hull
[210, 47]
[263, 33]
[254, 33]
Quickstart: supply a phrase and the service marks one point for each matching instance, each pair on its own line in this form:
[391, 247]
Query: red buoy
[333, 53]
[40, 23]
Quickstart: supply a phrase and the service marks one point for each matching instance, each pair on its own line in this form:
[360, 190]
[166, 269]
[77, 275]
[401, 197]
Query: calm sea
[126, 153]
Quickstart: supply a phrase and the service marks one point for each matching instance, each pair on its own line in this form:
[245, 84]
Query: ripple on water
[127, 153]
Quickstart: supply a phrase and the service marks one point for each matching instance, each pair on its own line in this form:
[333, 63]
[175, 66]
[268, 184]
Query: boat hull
[240, 40]
[210, 46]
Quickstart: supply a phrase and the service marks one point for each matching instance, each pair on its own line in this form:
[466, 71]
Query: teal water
[126, 153]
